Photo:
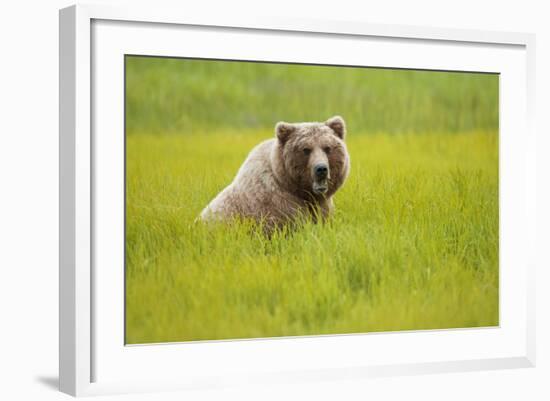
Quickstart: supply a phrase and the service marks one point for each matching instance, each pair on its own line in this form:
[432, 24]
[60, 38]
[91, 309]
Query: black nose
[321, 170]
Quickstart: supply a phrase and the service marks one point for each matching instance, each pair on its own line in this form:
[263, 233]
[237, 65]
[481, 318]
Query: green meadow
[413, 242]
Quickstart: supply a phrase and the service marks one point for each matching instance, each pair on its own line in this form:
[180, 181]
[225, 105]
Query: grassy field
[171, 96]
[413, 243]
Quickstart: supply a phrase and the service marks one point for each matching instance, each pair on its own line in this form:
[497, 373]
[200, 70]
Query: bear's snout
[321, 171]
[320, 178]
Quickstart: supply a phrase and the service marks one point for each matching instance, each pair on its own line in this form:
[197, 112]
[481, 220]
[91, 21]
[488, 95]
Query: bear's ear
[338, 125]
[284, 130]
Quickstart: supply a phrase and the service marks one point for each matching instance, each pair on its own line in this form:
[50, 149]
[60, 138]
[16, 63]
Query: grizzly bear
[294, 174]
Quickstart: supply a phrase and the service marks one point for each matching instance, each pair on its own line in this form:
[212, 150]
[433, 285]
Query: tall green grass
[190, 96]
[413, 243]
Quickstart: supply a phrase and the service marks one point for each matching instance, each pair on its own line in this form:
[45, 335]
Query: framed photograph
[270, 200]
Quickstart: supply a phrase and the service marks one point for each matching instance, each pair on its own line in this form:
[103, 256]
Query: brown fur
[276, 183]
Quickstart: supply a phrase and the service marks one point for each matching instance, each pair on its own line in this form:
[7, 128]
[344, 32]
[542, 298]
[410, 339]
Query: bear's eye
[327, 149]
[307, 151]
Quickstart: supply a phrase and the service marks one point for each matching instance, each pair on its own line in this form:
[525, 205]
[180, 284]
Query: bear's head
[312, 158]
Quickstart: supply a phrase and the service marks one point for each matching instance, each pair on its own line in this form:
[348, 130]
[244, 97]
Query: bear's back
[254, 191]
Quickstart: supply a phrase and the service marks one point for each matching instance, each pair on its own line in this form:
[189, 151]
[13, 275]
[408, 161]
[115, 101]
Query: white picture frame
[90, 342]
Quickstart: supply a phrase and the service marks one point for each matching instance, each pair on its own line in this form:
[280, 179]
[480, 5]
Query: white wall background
[29, 196]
